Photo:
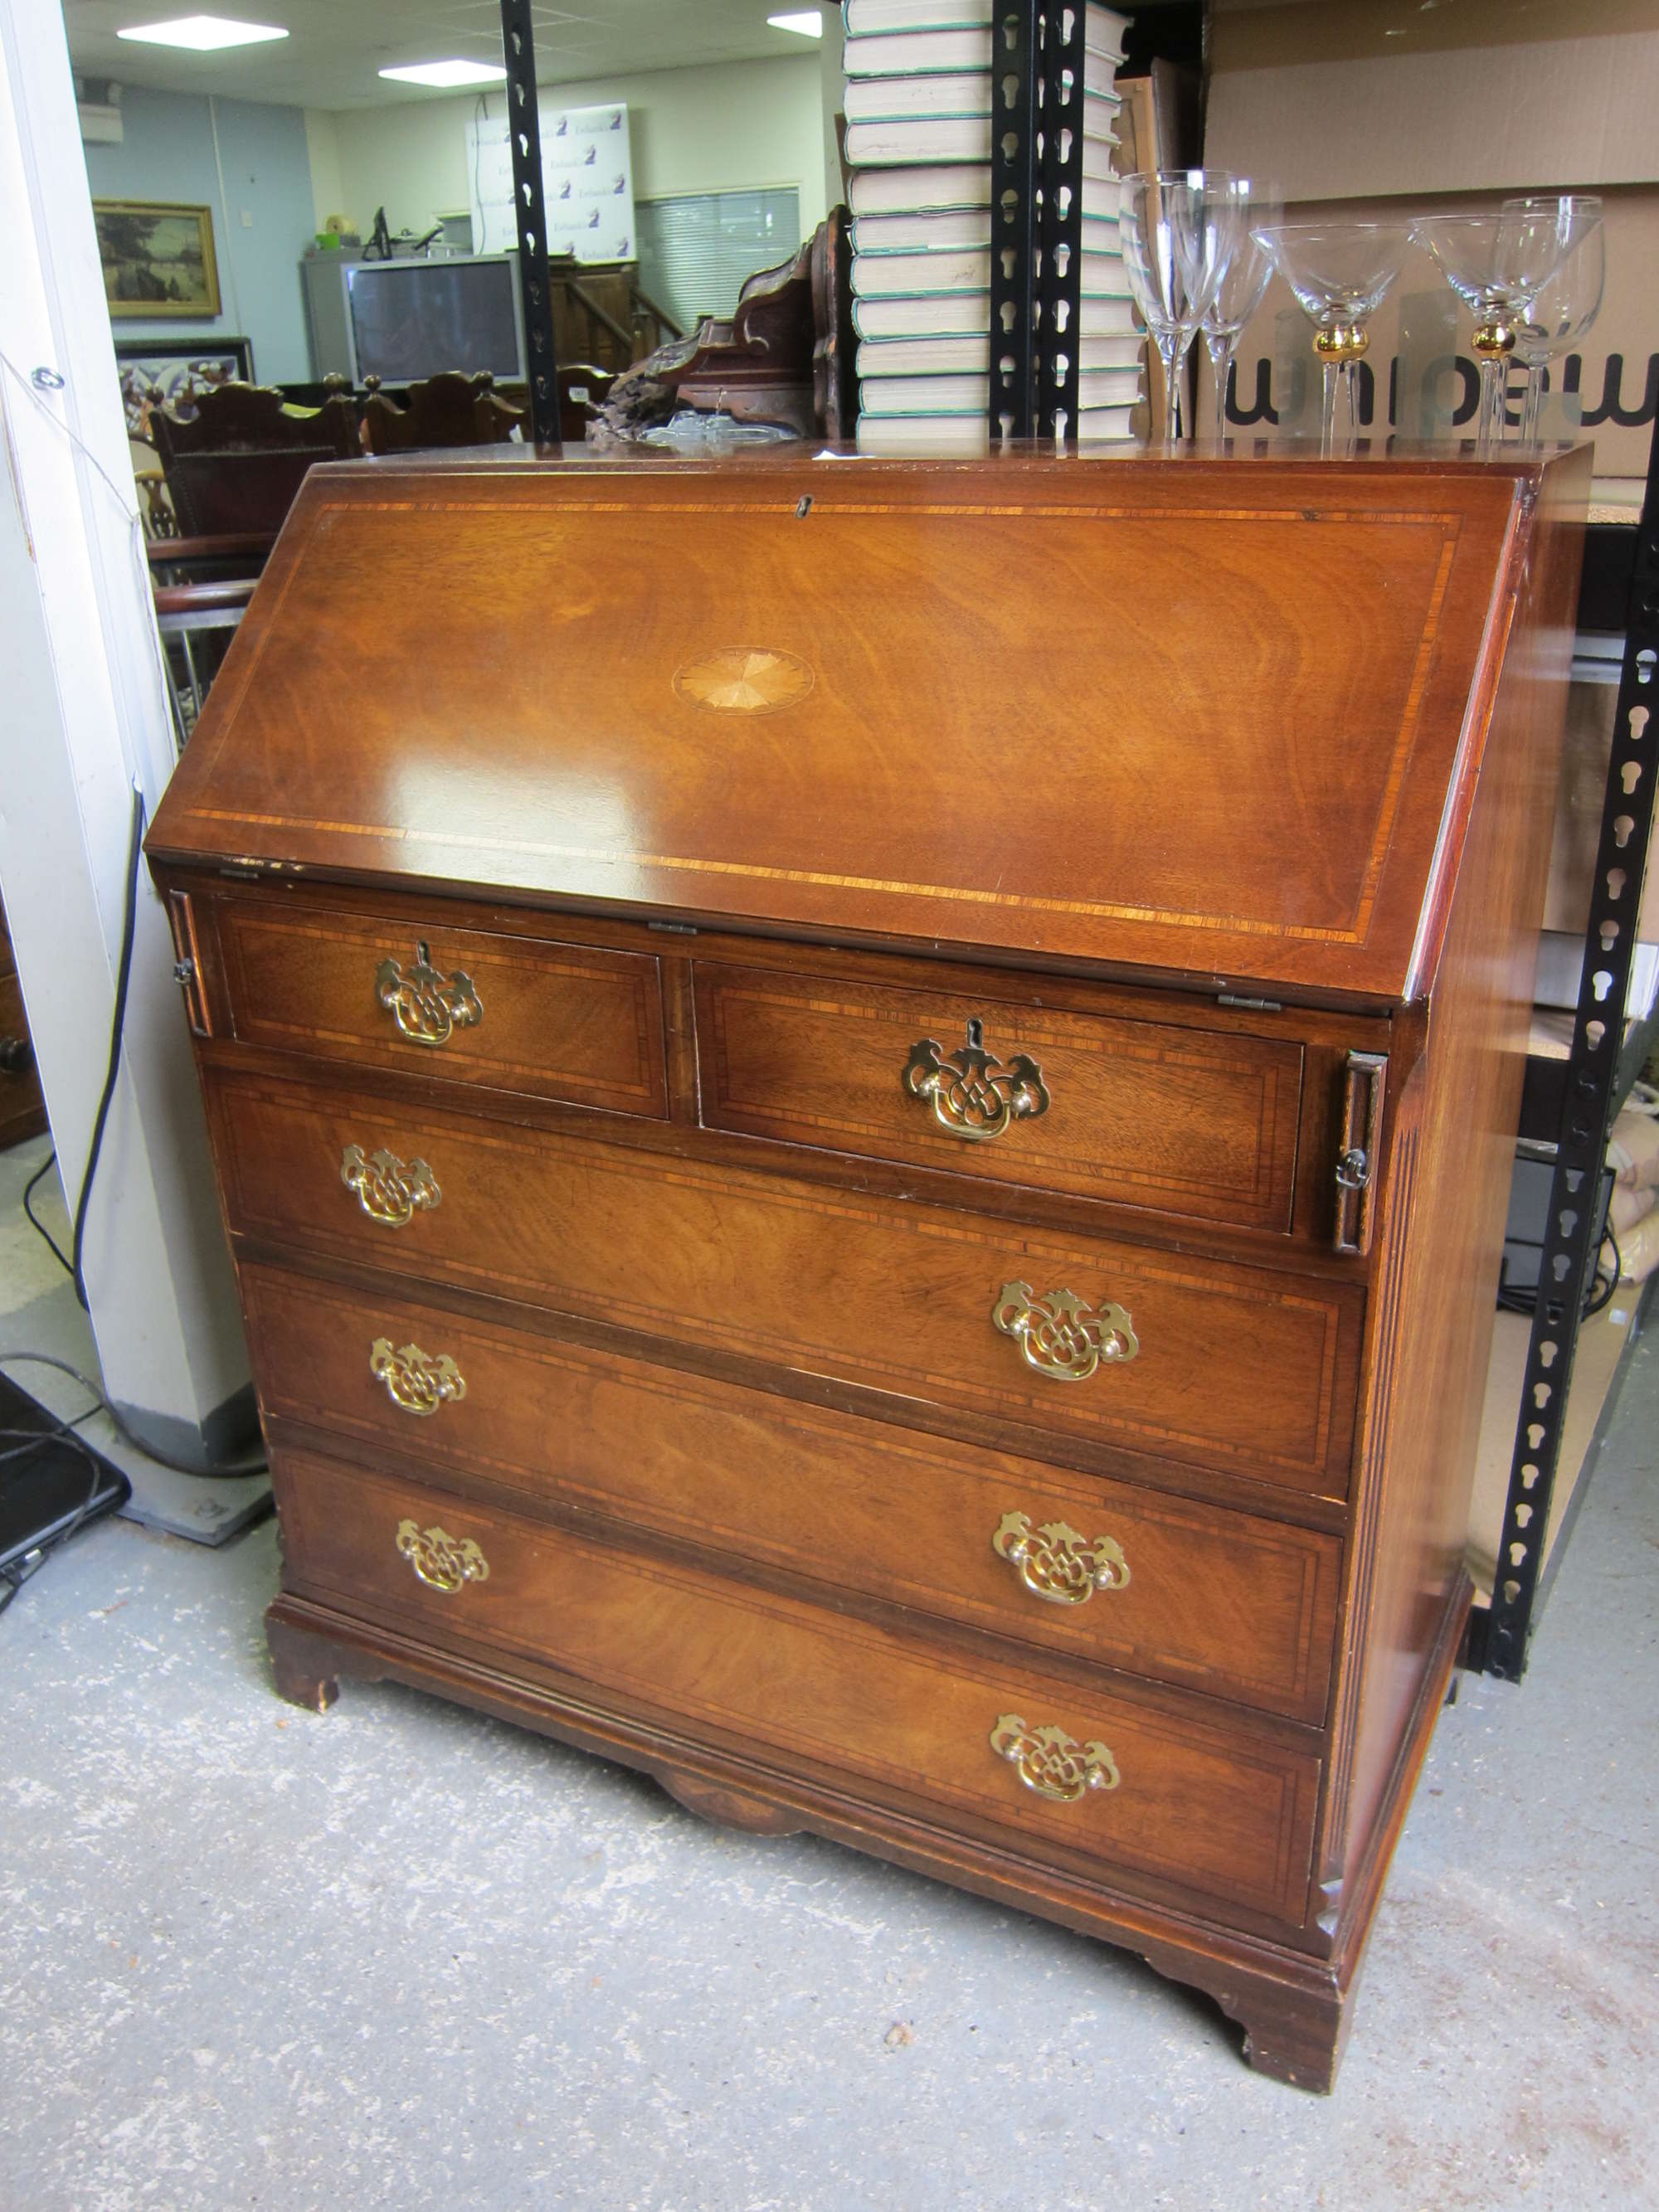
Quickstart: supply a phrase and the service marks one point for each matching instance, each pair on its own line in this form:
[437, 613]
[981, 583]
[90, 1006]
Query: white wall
[732, 126]
[174, 146]
[85, 719]
[323, 148]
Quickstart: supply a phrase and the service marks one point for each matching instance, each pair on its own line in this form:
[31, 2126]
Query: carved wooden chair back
[581, 389]
[236, 463]
[450, 410]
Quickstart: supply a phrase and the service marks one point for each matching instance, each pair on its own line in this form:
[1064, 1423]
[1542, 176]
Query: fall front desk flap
[1205, 718]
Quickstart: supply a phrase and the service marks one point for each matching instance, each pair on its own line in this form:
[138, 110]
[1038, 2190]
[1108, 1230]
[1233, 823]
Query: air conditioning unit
[99, 106]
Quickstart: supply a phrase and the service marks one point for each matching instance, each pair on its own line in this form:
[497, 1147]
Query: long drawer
[1244, 1369]
[569, 1022]
[1143, 1113]
[1226, 1603]
[1226, 1811]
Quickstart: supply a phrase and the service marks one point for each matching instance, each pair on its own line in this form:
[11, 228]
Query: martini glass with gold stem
[1497, 264]
[1340, 273]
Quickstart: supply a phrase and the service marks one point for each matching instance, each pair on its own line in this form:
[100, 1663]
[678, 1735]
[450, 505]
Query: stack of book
[919, 115]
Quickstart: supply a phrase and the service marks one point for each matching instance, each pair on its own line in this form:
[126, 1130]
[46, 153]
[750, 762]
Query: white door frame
[83, 721]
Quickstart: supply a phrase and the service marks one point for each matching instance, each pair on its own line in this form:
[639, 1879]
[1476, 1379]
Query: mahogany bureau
[864, 1112]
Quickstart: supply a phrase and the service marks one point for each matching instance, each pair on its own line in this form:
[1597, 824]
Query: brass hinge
[187, 965]
[1357, 1140]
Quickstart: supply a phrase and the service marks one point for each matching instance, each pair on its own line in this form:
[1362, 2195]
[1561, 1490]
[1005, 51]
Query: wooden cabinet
[865, 1132]
[22, 1110]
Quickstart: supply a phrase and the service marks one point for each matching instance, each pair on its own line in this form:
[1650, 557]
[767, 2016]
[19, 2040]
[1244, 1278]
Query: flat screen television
[401, 320]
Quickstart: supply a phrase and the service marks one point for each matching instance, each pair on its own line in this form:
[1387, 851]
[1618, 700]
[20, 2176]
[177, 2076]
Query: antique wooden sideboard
[865, 1113]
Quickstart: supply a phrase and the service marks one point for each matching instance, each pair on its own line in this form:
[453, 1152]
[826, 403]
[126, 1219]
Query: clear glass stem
[1221, 344]
[1531, 403]
[1172, 352]
[1327, 410]
[1489, 415]
[1166, 352]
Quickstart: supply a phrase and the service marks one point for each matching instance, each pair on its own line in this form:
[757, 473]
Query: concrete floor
[402, 1956]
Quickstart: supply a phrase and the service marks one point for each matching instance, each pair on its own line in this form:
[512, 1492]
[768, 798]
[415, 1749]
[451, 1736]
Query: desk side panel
[1414, 1501]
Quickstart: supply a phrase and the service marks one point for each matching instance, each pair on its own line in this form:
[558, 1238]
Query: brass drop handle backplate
[1056, 1563]
[1051, 1762]
[426, 1004]
[415, 1381]
[974, 1095]
[441, 1561]
[1060, 1336]
[389, 1190]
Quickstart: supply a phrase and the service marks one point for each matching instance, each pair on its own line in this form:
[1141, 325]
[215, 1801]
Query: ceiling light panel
[202, 34]
[446, 74]
[807, 22]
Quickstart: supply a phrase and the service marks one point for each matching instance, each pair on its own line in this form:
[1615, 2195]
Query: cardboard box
[1344, 99]
[1384, 114]
[1587, 749]
[1420, 377]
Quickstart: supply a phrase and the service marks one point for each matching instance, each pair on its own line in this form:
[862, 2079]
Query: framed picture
[170, 372]
[158, 259]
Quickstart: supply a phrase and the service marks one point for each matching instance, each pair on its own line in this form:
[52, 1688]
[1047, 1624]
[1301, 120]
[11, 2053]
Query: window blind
[697, 249]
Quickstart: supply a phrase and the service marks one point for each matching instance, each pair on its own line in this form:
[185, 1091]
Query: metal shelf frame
[1036, 207]
[536, 293]
[1500, 1635]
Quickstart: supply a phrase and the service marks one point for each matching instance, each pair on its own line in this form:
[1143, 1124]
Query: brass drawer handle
[426, 1004]
[387, 1190]
[415, 1381]
[443, 1562]
[1060, 1335]
[975, 1095]
[1053, 1562]
[1051, 1762]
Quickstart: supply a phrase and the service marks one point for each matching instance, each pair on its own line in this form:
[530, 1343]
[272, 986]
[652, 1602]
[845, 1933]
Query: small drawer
[1139, 1114]
[1226, 1603]
[458, 1006]
[1100, 1782]
[1249, 1370]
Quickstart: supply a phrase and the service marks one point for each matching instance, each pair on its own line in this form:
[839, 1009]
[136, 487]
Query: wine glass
[1341, 273]
[1497, 265]
[1564, 309]
[1179, 228]
[1244, 280]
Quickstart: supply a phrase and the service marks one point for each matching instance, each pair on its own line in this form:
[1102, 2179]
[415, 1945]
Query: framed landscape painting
[158, 259]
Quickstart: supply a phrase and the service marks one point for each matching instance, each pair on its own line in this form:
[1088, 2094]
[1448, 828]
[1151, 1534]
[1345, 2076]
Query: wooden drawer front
[1139, 1114]
[1212, 1600]
[1238, 1367]
[22, 1112]
[558, 1021]
[1222, 1809]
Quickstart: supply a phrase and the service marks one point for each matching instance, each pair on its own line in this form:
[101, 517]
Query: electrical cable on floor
[12, 1577]
[1599, 1293]
[117, 1026]
[162, 1459]
[34, 1220]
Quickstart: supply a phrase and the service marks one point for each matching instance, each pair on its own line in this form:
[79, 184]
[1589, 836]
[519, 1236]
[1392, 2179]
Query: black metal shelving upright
[1500, 1634]
[1062, 222]
[1016, 242]
[1037, 230]
[535, 291]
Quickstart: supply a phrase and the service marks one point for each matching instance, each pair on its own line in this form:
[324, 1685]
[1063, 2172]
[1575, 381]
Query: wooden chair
[236, 464]
[450, 410]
